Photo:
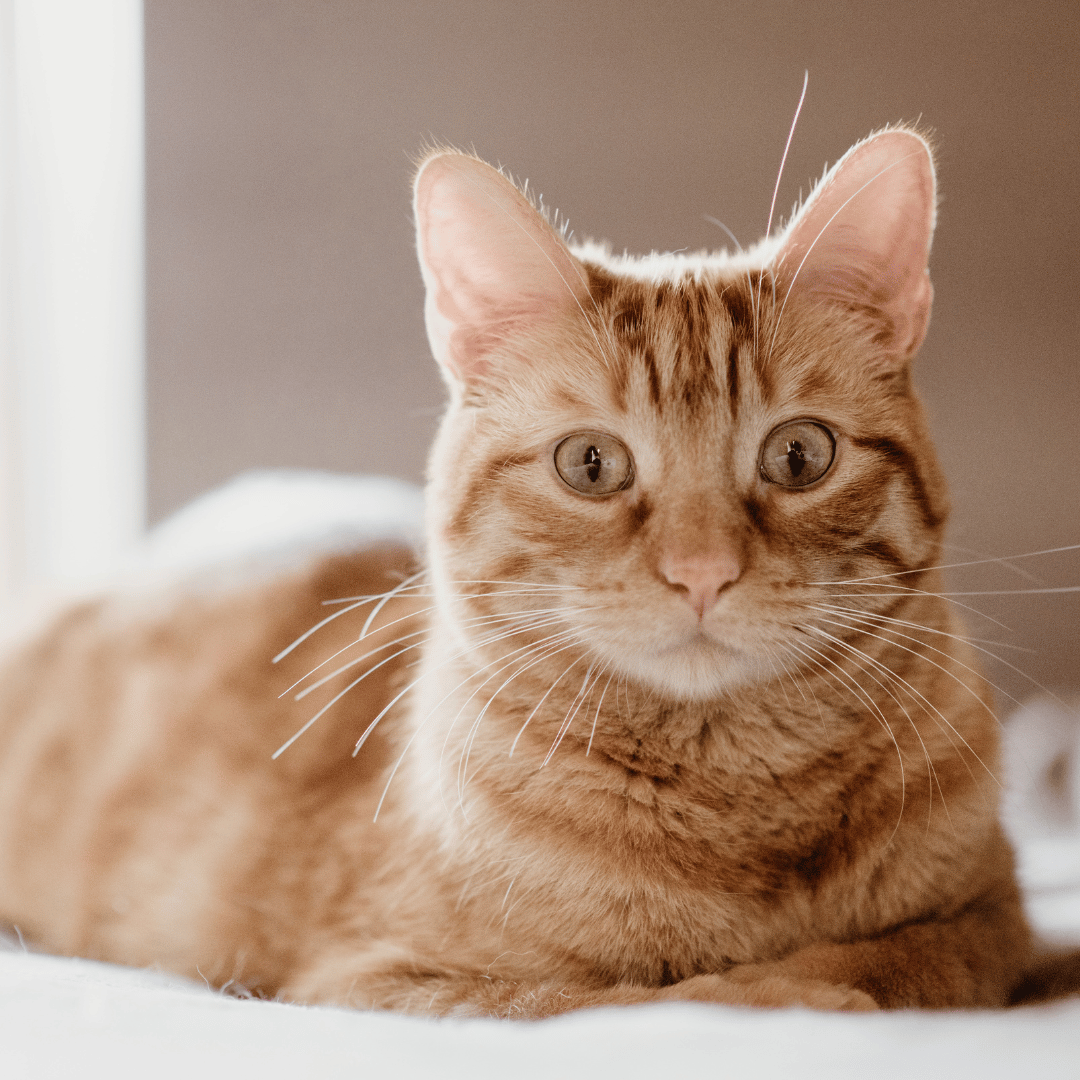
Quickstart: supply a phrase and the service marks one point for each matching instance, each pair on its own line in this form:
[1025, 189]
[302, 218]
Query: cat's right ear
[862, 239]
[492, 265]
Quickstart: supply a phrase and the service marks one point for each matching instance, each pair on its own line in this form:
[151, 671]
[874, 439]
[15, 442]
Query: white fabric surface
[74, 1018]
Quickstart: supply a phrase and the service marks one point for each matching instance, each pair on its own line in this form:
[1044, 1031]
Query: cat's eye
[797, 453]
[594, 463]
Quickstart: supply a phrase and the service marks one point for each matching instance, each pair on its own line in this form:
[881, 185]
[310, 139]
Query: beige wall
[285, 307]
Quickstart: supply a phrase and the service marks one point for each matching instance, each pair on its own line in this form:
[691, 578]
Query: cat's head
[661, 460]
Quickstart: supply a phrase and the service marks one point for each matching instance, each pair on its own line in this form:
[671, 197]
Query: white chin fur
[696, 671]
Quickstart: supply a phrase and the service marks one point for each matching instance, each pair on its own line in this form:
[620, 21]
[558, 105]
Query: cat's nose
[701, 577]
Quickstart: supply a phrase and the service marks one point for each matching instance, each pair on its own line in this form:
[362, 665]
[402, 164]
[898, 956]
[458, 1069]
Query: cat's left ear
[863, 239]
[493, 267]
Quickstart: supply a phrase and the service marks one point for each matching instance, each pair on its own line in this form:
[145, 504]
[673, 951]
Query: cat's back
[136, 743]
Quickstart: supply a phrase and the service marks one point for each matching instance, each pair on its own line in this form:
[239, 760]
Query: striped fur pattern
[702, 736]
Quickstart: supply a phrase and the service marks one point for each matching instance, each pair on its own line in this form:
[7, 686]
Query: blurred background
[283, 306]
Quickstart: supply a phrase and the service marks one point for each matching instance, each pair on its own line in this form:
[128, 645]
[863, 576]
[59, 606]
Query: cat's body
[677, 728]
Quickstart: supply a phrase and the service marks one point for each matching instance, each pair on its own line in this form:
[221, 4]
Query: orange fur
[590, 791]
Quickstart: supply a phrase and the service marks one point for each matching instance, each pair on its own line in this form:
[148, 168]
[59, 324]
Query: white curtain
[71, 290]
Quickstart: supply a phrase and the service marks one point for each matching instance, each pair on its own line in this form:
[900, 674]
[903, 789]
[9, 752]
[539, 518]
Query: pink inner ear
[863, 238]
[492, 266]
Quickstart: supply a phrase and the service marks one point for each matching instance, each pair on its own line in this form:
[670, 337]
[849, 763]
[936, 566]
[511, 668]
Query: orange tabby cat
[689, 720]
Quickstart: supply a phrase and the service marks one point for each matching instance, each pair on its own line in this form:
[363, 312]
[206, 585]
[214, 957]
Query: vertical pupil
[796, 457]
[592, 463]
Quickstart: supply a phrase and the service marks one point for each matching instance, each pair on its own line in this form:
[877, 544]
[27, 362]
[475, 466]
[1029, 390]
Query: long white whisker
[931, 770]
[387, 597]
[840, 609]
[903, 590]
[401, 758]
[371, 726]
[596, 715]
[954, 566]
[860, 696]
[345, 648]
[876, 620]
[319, 625]
[575, 708]
[536, 709]
[928, 707]
[979, 592]
[356, 682]
[779, 177]
[526, 588]
[532, 654]
[479, 620]
[546, 647]
[932, 648]
[817, 703]
[922, 697]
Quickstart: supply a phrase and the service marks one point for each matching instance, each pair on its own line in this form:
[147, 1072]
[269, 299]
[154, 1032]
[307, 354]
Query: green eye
[797, 454]
[593, 463]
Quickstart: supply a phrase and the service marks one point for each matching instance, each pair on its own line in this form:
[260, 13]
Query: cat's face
[662, 464]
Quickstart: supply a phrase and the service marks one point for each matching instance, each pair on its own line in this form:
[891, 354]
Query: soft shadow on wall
[284, 305]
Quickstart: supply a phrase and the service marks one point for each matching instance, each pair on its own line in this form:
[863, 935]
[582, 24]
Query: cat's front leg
[408, 985]
[972, 960]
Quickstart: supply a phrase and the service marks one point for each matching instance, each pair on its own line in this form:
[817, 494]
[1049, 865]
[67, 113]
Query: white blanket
[73, 1018]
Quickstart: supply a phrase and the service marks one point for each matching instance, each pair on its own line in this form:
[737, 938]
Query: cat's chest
[650, 907]
[639, 856]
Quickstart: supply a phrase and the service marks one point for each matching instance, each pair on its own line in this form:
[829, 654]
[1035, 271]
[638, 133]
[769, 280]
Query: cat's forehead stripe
[667, 333]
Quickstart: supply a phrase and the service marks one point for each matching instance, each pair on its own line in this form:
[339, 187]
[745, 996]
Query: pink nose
[703, 577]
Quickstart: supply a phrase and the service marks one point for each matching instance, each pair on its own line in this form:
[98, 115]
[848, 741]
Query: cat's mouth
[696, 664]
[699, 640]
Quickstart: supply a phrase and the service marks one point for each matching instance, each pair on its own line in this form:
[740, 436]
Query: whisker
[530, 586]
[928, 707]
[860, 696]
[546, 647]
[978, 592]
[779, 681]
[359, 602]
[889, 674]
[779, 177]
[932, 648]
[536, 709]
[319, 625]
[908, 591]
[817, 703]
[401, 758]
[928, 629]
[1005, 562]
[956, 566]
[345, 648]
[386, 598]
[356, 682]
[877, 619]
[575, 706]
[596, 715]
[920, 696]
[371, 726]
[478, 620]
[532, 654]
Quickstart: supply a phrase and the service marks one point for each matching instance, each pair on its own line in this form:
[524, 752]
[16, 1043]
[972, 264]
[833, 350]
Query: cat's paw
[768, 987]
[757, 986]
